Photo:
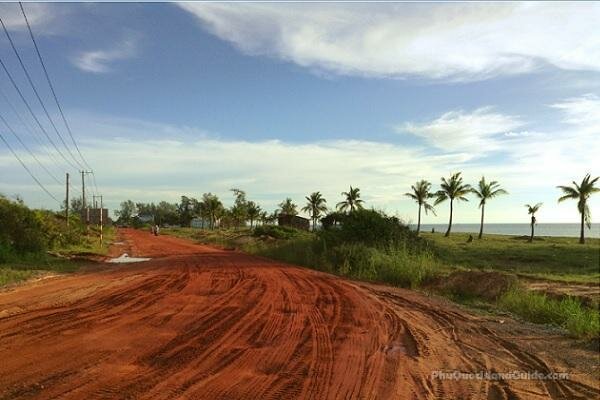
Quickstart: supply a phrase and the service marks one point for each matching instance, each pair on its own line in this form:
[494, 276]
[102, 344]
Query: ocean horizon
[547, 229]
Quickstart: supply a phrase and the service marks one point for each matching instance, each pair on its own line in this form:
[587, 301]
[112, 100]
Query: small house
[293, 221]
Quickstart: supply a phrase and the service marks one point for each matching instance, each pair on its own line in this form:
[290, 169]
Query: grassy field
[32, 265]
[551, 258]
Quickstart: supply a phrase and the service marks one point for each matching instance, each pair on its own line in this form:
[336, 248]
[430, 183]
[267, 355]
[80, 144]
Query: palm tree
[211, 207]
[288, 207]
[581, 192]
[452, 189]
[486, 191]
[253, 211]
[352, 202]
[420, 194]
[532, 210]
[315, 206]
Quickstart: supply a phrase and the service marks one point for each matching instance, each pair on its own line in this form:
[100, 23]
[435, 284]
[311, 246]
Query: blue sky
[285, 99]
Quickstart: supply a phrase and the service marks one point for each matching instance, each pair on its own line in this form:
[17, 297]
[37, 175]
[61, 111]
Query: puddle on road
[124, 258]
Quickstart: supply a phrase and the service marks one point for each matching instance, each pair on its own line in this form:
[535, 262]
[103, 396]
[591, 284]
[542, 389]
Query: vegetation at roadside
[568, 313]
[30, 241]
[553, 258]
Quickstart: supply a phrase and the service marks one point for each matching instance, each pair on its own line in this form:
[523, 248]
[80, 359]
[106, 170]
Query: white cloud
[475, 132]
[99, 61]
[582, 112]
[38, 14]
[151, 161]
[433, 40]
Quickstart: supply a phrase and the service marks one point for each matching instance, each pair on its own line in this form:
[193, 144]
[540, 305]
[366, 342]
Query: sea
[566, 230]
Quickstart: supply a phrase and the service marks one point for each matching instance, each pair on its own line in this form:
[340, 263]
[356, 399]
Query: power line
[34, 116]
[37, 95]
[11, 130]
[26, 147]
[37, 50]
[35, 135]
[28, 170]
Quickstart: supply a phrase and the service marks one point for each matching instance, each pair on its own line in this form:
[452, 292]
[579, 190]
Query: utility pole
[85, 206]
[67, 201]
[101, 212]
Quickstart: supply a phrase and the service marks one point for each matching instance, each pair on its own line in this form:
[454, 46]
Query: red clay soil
[196, 322]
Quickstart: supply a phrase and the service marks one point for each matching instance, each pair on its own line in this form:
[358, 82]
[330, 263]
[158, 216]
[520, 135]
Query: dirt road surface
[197, 322]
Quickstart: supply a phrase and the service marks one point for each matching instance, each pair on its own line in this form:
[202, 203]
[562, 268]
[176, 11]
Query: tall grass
[396, 266]
[568, 313]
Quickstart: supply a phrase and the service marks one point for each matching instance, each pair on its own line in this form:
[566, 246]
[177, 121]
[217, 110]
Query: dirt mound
[481, 284]
[198, 323]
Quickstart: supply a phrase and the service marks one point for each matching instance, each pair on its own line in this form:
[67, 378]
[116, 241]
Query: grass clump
[567, 313]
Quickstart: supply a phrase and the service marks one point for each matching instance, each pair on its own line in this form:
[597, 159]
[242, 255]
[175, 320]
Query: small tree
[288, 207]
[452, 189]
[531, 210]
[352, 200]
[581, 193]
[254, 212]
[486, 191]
[420, 194]
[315, 206]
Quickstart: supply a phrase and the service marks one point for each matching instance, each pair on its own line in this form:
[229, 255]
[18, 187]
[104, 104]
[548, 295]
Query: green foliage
[568, 313]
[372, 228]
[288, 207]
[276, 231]
[352, 201]
[21, 230]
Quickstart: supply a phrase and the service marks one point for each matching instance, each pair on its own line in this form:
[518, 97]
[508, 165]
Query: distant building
[293, 221]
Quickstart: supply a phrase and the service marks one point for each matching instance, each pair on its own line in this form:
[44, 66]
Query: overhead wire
[39, 124]
[37, 95]
[11, 130]
[27, 169]
[37, 50]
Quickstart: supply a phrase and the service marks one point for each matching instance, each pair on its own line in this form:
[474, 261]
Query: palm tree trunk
[581, 232]
[532, 227]
[449, 222]
[481, 227]
[419, 220]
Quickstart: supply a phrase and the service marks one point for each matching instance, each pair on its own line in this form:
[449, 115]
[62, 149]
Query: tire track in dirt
[196, 322]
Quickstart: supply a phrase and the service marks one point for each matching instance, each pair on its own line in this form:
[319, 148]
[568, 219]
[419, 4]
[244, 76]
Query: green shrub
[371, 228]
[568, 313]
[21, 231]
[276, 231]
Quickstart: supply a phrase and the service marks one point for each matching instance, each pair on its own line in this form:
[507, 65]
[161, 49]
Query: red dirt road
[196, 322]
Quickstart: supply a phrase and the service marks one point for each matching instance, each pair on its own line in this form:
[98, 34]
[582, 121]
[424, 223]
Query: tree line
[212, 211]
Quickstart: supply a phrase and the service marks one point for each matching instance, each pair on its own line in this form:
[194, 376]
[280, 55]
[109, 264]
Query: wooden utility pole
[101, 212]
[85, 206]
[67, 201]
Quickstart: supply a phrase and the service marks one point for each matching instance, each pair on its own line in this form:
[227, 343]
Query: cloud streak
[100, 61]
[456, 41]
[474, 132]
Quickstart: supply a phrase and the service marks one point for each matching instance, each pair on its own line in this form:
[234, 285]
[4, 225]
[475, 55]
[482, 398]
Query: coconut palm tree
[315, 206]
[486, 191]
[352, 202]
[581, 193]
[211, 207]
[253, 212]
[453, 189]
[421, 193]
[532, 210]
[288, 207]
